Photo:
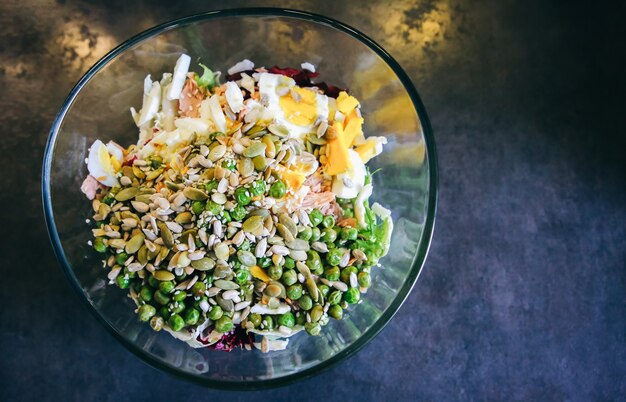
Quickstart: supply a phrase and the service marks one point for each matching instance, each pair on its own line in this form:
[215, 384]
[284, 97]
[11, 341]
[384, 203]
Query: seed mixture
[241, 216]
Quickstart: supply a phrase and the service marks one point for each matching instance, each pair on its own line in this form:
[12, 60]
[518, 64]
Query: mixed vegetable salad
[241, 215]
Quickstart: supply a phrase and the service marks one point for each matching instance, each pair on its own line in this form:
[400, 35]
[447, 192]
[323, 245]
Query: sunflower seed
[230, 294]
[214, 291]
[279, 250]
[174, 227]
[303, 269]
[261, 248]
[340, 286]
[238, 238]
[345, 259]
[353, 280]
[319, 246]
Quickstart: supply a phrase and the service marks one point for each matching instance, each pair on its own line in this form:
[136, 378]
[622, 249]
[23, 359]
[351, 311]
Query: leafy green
[208, 79]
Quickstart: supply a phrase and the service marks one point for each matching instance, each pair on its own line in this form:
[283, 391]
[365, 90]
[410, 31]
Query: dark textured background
[523, 295]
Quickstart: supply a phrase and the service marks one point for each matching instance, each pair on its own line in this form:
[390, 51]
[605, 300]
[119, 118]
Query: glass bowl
[98, 107]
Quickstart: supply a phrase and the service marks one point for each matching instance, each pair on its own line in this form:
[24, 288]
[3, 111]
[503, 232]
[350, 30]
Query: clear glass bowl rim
[423, 247]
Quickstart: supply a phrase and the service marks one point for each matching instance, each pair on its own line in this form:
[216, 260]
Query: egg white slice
[99, 164]
[178, 78]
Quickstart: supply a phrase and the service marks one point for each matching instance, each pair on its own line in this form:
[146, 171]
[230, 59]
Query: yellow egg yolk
[346, 103]
[303, 111]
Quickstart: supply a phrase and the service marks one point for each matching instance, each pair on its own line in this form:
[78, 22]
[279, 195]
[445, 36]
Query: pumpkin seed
[259, 162]
[146, 190]
[166, 234]
[246, 258]
[221, 251]
[140, 206]
[316, 313]
[298, 244]
[195, 194]
[303, 269]
[312, 288]
[138, 172]
[255, 129]
[163, 275]
[104, 210]
[142, 255]
[154, 174]
[272, 290]
[183, 217]
[173, 186]
[270, 148]
[152, 254]
[227, 305]
[203, 264]
[143, 198]
[117, 243]
[284, 232]
[273, 303]
[255, 149]
[245, 167]
[126, 194]
[135, 243]
[254, 225]
[278, 130]
[286, 220]
[128, 172]
[183, 260]
[222, 271]
[217, 152]
[225, 285]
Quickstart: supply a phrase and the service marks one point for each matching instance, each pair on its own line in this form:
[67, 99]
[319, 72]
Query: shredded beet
[231, 340]
[129, 162]
[302, 78]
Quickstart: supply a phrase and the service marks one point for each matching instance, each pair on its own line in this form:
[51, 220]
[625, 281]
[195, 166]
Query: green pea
[331, 273]
[161, 298]
[242, 196]
[323, 289]
[305, 302]
[165, 312]
[257, 187]
[349, 233]
[275, 272]
[229, 164]
[255, 319]
[123, 281]
[313, 261]
[335, 311]
[278, 189]
[245, 245]
[98, 245]
[364, 279]
[335, 297]
[328, 221]
[315, 234]
[156, 323]
[146, 293]
[312, 328]
[305, 233]
[130, 275]
[316, 217]
[328, 235]
[197, 207]
[213, 207]
[238, 213]
[348, 213]
[226, 217]
[180, 295]
[152, 281]
[211, 185]
[344, 304]
[268, 322]
[198, 288]
[109, 199]
[263, 262]
[241, 276]
[146, 312]
[290, 262]
[334, 257]
[345, 274]
[294, 292]
[289, 277]
[166, 287]
[156, 162]
[176, 306]
[176, 322]
[192, 316]
[216, 313]
[352, 295]
[287, 319]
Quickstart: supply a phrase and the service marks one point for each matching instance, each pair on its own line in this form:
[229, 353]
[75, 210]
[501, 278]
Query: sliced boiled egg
[100, 164]
[349, 183]
[296, 109]
[179, 76]
[234, 96]
[371, 147]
